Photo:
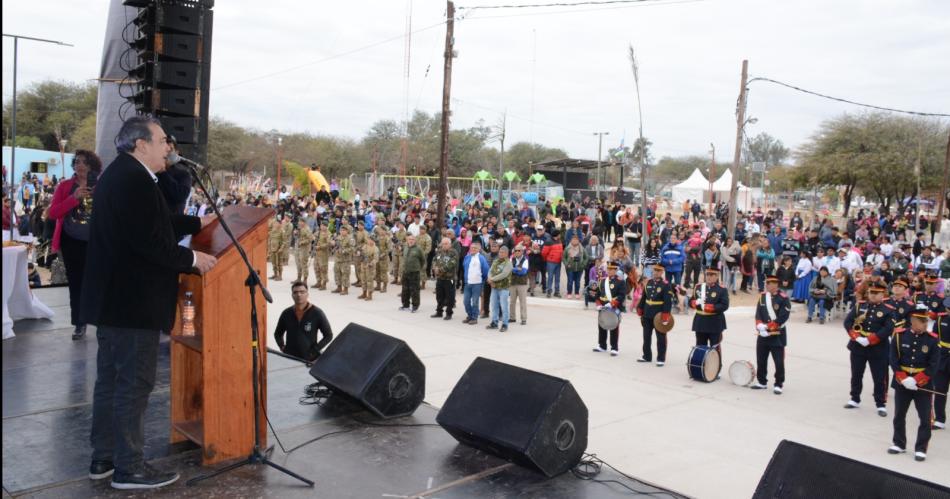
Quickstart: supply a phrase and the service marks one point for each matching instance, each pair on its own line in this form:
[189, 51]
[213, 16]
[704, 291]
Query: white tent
[696, 187]
[723, 186]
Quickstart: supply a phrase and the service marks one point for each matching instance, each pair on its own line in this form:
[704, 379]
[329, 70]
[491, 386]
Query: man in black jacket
[297, 327]
[129, 293]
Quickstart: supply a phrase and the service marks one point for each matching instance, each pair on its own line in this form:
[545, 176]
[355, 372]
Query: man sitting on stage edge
[129, 293]
[301, 323]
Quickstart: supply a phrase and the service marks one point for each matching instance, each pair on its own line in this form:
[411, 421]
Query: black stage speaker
[379, 371]
[535, 420]
[799, 471]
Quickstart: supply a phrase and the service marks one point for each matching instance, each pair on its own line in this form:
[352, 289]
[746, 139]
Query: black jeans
[902, 399]
[444, 296]
[410, 289]
[647, 323]
[614, 338]
[762, 353]
[486, 301]
[878, 365]
[74, 259]
[940, 384]
[125, 375]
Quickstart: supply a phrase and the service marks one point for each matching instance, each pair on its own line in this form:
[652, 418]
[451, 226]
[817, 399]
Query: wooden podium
[211, 391]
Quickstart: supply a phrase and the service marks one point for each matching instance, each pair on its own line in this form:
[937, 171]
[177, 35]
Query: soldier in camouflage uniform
[424, 241]
[359, 238]
[398, 249]
[321, 256]
[302, 246]
[275, 246]
[345, 248]
[369, 255]
[288, 227]
[383, 244]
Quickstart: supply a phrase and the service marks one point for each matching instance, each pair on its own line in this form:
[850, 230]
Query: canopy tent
[723, 186]
[696, 187]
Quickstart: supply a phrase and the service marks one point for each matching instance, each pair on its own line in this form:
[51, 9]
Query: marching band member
[941, 377]
[900, 304]
[657, 298]
[710, 300]
[771, 315]
[610, 296]
[869, 324]
[931, 301]
[913, 357]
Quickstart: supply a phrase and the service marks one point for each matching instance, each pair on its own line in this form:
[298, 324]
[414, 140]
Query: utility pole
[740, 123]
[712, 175]
[280, 162]
[501, 167]
[446, 93]
[62, 158]
[917, 166]
[600, 148]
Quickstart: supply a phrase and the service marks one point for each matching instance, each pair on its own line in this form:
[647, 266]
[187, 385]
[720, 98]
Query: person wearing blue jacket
[474, 275]
[672, 257]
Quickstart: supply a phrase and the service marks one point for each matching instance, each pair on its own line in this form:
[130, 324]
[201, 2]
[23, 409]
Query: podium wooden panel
[211, 391]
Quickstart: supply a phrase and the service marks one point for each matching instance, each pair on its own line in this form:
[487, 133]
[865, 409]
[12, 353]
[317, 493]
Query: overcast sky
[561, 74]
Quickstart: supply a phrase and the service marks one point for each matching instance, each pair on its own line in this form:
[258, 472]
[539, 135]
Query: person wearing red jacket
[552, 254]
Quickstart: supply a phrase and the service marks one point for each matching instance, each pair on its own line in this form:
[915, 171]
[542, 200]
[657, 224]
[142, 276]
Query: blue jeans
[574, 281]
[812, 301]
[554, 277]
[470, 298]
[499, 306]
[674, 278]
[634, 252]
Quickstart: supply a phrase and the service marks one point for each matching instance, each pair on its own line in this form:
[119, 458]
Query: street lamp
[600, 147]
[16, 43]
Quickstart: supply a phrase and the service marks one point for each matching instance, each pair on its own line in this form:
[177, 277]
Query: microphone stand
[253, 282]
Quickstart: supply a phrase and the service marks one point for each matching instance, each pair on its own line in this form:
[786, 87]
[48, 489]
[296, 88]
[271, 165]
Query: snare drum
[703, 363]
[742, 372]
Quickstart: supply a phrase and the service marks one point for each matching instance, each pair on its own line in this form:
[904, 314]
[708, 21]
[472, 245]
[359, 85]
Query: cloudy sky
[561, 74]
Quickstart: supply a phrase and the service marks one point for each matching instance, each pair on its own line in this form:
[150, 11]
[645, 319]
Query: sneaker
[549, 295]
[79, 332]
[808, 320]
[938, 425]
[660, 363]
[882, 411]
[821, 320]
[472, 322]
[523, 322]
[895, 450]
[403, 309]
[466, 320]
[852, 405]
[144, 477]
[758, 386]
[503, 329]
[920, 456]
[436, 315]
[557, 295]
[641, 359]
[100, 469]
[492, 326]
[448, 317]
[414, 309]
[598, 349]
[777, 390]
[614, 353]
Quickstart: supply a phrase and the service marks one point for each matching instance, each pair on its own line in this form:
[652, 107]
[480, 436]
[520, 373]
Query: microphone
[174, 158]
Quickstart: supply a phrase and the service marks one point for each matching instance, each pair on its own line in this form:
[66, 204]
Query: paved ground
[707, 440]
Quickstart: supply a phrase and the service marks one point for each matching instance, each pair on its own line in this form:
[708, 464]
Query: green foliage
[298, 172]
[51, 111]
[85, 135]
[27, 141]
[764, 148]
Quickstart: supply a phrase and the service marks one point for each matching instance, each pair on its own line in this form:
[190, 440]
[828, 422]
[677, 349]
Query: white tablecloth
[18, 300]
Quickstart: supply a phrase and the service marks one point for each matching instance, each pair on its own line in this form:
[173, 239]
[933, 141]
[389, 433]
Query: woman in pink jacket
[72, 209]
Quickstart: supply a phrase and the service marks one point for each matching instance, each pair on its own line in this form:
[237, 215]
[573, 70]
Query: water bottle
[188, 315]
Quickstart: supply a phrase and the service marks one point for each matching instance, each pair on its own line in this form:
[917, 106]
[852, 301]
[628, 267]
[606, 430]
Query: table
[18, 301]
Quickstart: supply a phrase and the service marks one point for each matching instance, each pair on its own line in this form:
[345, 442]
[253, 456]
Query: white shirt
[473, 274]
[875, 260]
[804, 268]
[887, 249]
[832, 263]
[413, 229]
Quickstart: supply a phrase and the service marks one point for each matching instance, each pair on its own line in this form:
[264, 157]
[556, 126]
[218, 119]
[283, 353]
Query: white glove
[762, 327]
[922, 306]
[600, 307]
[863, 341]
[909, 383]
[700, 303]
[764, 333]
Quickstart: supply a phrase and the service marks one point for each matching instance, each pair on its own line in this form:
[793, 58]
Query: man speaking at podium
[130, 294]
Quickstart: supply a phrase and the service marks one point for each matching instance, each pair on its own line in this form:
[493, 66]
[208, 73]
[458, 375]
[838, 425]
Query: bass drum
[703, 363]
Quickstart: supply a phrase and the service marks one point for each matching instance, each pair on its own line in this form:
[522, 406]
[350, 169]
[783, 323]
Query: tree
[520, 156]
[766, 149]
[84, 137]
[51, 111]
[27, 141]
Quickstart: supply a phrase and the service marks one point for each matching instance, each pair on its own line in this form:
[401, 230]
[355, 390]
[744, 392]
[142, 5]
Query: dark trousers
[691, 271]
[647, 324]
[444, 296]
[587, 273]
[746, 282]
[712, 340]
[941, 383]
[74, 259]
[902, 399]
[486, 300]
[878, 367]
[410, 289]
[762, 352]
[125, 375]
[614, 338]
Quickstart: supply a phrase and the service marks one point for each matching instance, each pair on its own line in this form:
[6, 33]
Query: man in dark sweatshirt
[300, 324]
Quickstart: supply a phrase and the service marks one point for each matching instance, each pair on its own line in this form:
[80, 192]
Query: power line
[652, 3]
[847, 101]
[558, 4]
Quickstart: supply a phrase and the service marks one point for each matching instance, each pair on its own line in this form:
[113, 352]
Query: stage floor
[47, 392]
